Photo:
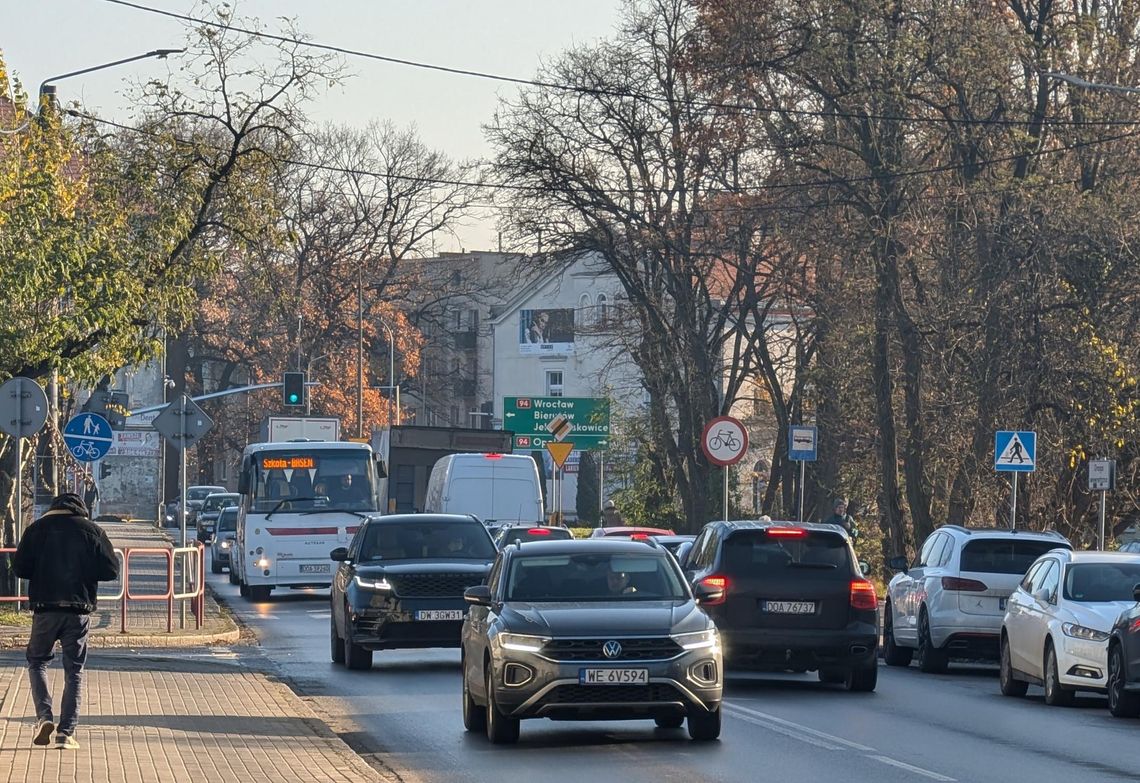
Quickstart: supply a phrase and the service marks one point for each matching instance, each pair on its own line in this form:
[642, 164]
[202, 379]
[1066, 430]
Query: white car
[1056, 627]
[951, 601]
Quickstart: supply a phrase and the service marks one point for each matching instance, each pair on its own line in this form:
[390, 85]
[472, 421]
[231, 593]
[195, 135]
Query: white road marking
[798, 731]
[912, 768]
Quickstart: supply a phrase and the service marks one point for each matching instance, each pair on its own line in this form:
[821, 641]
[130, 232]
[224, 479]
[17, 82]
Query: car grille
[612, 694]
[631, 649]
[433, 585]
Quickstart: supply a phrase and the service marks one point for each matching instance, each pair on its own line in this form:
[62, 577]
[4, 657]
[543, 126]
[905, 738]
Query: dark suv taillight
[720, 583]
[863, 595]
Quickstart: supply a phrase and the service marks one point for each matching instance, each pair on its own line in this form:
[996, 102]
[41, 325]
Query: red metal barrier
[197, 597]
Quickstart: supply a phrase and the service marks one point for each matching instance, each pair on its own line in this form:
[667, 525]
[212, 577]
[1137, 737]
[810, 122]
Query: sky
[43, 38]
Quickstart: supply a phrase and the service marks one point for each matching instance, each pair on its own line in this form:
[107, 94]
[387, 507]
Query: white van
[494, 487]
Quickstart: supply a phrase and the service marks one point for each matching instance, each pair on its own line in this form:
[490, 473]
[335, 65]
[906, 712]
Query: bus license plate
[439, 614]
[315, 568]
[789, 607]
[613, 676]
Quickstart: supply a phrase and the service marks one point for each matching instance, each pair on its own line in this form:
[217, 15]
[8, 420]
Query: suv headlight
[521, 642]
[697, 641]
[1083, 632]
[380, 585]
[225, 544]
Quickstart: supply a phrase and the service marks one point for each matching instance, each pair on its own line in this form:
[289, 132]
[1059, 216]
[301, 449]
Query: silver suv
[951, 601]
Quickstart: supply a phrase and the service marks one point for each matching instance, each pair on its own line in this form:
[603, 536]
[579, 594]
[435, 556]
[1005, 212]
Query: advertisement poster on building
[546, 332]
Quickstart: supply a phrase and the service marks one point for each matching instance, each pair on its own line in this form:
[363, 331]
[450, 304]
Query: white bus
[299, 501]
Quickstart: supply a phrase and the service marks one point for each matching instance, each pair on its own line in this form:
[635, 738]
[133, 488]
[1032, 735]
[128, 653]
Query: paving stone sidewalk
[146, 620]
[149, 719]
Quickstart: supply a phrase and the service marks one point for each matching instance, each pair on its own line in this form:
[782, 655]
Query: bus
[300, 500]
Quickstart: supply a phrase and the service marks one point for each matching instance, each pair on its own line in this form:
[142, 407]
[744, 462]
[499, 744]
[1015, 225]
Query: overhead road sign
[724, 440]
[1015, 451]
[88, 437]
[803, 443]
[531, 419]
[183, 423]
[23, 407]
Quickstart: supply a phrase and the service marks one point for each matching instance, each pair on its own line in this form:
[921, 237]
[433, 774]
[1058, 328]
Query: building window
[585, 305]
[554, 383]
[603, 308]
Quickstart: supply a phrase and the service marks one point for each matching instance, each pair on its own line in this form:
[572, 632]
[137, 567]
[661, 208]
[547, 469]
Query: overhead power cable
[603, 91]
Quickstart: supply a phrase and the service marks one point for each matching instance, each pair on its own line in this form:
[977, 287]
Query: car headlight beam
[700, 640]
[521, 642]
[1083, 632]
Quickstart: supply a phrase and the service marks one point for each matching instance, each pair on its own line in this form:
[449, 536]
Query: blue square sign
[802, 443]
[1015, 451]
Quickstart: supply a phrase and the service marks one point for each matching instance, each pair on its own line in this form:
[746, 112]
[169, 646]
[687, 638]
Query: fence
[179, 564]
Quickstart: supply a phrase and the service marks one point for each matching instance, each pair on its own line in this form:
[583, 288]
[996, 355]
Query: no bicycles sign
[724, 441]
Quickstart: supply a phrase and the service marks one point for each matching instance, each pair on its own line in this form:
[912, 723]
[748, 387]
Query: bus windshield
[317, 480]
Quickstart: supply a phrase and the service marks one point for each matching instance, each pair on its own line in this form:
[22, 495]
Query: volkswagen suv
[589, 630]
[951, 601]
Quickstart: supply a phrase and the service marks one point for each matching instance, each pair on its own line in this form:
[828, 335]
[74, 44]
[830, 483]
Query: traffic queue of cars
[1063, 620]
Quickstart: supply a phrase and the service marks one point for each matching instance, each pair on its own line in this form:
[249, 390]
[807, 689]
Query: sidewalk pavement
[146, 620]
[148, 719]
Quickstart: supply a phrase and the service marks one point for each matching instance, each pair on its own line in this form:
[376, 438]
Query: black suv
[589, 630]
[794, 599]
[1124, 662]
[400, 584]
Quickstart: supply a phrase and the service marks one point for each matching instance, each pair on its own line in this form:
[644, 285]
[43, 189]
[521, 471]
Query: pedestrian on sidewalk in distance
[842, 518]
[611, 517]
[64, 556]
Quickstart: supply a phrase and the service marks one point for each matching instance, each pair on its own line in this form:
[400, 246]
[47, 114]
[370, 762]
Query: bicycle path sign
[724, 441]
[88, 437]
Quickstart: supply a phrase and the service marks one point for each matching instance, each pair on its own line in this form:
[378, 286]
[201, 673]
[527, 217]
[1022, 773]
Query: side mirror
[1041, 596]
[340, 554]
[1136, 593]
[479, 595]
[897, 563]
[864, 567]
[707, 594]
[683, 552]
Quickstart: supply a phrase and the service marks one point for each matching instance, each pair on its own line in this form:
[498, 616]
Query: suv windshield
[227, 522]
[1101, 582]
[439, 540]
[1004, 555]
[594, 577]
[219, 502]
[201, 493]
[790, 550]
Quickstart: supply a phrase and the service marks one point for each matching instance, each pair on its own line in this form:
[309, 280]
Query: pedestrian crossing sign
[1015, 451]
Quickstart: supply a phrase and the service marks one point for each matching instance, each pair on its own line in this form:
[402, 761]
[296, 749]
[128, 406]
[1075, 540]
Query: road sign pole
[182, 506]
[1013, 504]
[1103, 505]
[19, 503]
[726, 470]
[803, 476]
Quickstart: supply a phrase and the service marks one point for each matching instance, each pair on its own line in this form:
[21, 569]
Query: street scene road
[915, 727]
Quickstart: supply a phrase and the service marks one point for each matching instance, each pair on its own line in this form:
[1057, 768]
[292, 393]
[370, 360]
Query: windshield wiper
[282, 502]
[361, 514]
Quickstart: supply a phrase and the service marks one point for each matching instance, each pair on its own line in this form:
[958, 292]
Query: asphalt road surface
[915, 727]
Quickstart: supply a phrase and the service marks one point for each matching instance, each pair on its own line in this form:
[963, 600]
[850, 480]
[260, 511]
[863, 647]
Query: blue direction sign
[88, 437]
[1015, 451]
[803, 442]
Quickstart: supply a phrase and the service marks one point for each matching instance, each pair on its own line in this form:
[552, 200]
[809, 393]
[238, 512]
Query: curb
[113, 641]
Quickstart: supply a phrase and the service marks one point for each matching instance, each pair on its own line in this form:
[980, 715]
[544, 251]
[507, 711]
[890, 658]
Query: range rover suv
[589, 630]
[400, 584]
[794, 598]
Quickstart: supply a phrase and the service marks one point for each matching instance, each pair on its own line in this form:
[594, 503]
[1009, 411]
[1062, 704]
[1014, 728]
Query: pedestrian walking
[840, 517]
[64, 556]
[611, 517]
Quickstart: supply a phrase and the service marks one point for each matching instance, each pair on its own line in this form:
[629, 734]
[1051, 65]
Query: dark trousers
[70, 630]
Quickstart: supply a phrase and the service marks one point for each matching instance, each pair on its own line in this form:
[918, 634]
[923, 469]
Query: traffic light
[294, 388]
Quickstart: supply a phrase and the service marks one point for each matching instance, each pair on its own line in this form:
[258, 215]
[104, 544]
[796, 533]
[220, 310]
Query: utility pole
[360, 350]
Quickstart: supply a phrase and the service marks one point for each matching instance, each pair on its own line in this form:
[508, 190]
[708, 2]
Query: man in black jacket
[64, 556]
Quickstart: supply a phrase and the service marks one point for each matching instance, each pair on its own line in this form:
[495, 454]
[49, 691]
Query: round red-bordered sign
[724, 441]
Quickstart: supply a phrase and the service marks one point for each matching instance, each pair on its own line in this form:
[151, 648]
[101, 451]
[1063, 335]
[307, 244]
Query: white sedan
[1057, 623]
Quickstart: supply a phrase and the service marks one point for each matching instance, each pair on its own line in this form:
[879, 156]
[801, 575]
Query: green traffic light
[294, 398]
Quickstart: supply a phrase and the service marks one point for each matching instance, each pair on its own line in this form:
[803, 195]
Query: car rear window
[439, 540]
[806, 552]
[1004, 555]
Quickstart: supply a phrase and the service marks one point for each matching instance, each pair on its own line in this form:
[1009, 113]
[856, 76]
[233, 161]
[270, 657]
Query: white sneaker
[66, 742]
[44, 728]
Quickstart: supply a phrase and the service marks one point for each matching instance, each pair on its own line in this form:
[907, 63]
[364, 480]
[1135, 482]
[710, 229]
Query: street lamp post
[392, 373]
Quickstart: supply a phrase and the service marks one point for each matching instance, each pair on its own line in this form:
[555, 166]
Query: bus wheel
[243, 589]
[259, 592]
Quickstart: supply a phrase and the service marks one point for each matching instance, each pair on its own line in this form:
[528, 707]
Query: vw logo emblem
[611, 649]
